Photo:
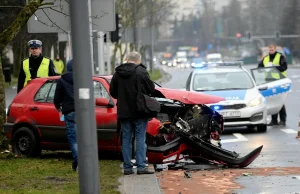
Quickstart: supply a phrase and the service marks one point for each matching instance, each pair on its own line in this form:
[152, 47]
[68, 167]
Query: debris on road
[187, 174]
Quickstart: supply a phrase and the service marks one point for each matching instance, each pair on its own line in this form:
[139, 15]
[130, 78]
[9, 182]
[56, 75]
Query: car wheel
[24, 142]
[262, 128]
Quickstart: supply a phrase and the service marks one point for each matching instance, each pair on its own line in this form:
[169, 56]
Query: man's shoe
[145, 171]
[273, 123]
[128, 172]
[282, 123]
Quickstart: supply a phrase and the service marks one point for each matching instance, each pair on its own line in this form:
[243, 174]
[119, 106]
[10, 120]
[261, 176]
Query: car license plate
[231, 114]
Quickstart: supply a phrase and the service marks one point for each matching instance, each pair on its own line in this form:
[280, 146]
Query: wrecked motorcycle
[189, 131]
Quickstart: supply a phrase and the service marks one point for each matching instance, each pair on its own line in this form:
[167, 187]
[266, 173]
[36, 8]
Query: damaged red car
[184, 128]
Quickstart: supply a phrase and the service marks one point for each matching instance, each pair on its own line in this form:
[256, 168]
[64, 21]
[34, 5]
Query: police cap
[34, 43]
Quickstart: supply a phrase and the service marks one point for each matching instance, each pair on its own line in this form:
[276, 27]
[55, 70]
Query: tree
[6, 36]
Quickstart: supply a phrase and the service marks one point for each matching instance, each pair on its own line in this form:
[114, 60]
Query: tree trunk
[2, 105]
[113, 59]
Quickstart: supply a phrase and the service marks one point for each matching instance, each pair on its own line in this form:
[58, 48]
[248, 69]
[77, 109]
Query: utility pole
[152, 37]
[84, 98]
[91, 35]
[135, 35]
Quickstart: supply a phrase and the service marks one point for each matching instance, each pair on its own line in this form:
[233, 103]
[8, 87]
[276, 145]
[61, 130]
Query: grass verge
[51, 174]
[155, 75]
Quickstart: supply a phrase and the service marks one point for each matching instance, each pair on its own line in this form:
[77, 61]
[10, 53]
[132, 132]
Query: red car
[33, 124]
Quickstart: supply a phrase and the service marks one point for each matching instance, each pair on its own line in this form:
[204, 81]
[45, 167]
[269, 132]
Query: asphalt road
[281, 148]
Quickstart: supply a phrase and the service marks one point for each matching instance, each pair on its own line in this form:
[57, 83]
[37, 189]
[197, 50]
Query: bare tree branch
[54, 24]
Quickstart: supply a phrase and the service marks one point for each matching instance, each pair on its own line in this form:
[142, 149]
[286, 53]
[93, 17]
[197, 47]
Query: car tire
[262, 128]
[24, 142]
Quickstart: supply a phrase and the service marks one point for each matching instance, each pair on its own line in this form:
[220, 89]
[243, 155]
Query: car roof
[219, 70]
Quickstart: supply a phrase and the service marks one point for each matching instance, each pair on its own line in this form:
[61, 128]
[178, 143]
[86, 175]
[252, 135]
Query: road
[276, 169]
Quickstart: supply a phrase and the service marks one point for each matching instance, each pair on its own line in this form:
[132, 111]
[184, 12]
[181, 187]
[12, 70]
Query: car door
[274, 89]
[45, 116]
[106, 118]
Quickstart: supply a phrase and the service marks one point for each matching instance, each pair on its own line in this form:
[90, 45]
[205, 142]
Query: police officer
[59, 65]
[35, 66]
[278, 60]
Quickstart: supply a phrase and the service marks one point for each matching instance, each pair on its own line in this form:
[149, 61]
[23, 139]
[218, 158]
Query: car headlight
[164, 62]
[256, 101]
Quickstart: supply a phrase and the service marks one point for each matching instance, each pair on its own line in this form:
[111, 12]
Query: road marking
[239, 137]
[289, 131]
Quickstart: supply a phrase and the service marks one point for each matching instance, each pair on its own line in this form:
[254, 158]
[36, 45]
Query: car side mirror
[261, 88]
[104, 102]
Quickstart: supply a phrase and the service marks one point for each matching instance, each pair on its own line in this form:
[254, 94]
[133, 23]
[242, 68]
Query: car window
[42, 94]
[266, 75]
[50, 98]
[100, 91]
[222, 81]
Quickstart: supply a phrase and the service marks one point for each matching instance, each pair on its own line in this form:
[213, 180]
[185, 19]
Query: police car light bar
[221, 64]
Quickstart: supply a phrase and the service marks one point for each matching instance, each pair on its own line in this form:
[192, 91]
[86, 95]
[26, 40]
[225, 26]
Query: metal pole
[135, 35]
[152, 39]
[91, 35]
[70, 46]
[84, 99]
[108, 53]
[100, 53]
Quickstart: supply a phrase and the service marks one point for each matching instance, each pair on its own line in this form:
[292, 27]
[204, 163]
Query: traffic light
[238, 35]
[116, 35]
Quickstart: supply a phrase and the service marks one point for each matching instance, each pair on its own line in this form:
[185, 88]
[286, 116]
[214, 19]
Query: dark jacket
[64, 92]
[123, 87]
[34, 64]
[283, 64]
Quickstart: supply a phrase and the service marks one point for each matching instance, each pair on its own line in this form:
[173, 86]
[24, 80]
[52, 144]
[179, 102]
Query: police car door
[273, 86]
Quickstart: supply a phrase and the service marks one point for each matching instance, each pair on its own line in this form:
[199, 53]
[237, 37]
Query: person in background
[64, 102]
[59, 65]
[35, 66]
[279, 61]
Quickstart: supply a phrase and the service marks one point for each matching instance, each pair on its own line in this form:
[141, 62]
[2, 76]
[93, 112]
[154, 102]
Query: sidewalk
[139, 184]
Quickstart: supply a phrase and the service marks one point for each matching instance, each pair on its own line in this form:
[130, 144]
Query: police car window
[266, 75]
[42, 94]
[100, 91]
[222, 81]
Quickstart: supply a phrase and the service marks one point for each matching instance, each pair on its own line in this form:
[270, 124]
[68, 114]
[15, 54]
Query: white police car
[250, 97]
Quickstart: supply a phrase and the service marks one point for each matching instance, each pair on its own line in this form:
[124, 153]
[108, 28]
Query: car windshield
[222, 81]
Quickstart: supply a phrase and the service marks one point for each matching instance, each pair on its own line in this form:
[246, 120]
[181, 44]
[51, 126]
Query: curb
[165, 76]
[137, 184]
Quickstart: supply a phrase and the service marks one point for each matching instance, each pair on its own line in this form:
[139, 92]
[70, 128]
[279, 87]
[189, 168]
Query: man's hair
[134, 56]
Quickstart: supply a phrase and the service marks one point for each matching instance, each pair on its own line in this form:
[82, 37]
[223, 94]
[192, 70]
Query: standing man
[123, 87]
[35, 66]
[64, 102]
[59, 65]
[279, 61]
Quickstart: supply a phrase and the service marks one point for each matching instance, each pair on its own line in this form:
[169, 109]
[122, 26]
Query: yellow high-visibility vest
[42, 72]
[276, 62]
[59, 66]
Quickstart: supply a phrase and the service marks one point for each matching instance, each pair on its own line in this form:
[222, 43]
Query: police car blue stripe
[273, 91]
[229, 94]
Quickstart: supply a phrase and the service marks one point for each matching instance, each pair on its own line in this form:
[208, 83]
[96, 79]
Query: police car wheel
[261, 128]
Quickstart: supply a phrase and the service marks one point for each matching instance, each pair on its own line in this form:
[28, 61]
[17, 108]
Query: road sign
[56, 18]
[144, 35]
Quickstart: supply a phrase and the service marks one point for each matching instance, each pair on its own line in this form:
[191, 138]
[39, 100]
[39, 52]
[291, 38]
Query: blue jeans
[138, 127]
[71, 134]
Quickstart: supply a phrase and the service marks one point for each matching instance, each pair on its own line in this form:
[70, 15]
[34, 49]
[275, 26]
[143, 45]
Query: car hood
[187, 97]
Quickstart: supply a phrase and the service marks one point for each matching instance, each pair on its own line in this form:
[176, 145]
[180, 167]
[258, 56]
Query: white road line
[239, 137]
[290, 131]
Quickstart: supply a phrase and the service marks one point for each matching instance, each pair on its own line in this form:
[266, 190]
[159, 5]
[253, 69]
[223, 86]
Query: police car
[250, 95]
